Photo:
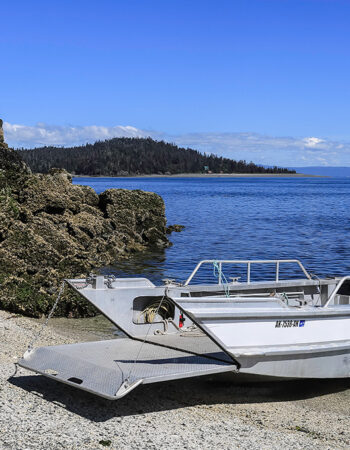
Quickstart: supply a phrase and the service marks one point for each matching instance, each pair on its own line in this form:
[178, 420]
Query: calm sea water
[245, 218]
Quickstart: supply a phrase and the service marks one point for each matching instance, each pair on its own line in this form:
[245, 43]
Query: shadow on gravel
[175, 394]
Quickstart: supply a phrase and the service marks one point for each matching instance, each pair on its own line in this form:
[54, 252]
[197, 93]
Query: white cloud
[42, 134]
[313, 141]
[264, 149]
[259, 148]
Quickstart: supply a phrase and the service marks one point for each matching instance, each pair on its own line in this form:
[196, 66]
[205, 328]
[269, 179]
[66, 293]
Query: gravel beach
[215, 412]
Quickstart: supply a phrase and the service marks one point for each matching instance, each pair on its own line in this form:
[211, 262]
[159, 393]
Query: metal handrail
[249, 262]
[336, 289]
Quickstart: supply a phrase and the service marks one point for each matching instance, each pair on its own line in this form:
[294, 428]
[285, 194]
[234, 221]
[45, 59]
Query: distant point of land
[140, 157]
[212, 175]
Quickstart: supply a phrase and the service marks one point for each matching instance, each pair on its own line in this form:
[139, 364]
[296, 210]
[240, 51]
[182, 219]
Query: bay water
[244, 218]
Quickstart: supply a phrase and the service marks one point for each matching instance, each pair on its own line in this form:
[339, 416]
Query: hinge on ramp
[127, 387]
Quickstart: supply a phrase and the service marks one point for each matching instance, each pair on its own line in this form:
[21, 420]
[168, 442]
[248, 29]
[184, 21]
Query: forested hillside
[133, 156]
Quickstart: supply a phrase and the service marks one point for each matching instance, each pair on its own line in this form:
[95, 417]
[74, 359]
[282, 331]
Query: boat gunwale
[260, 314]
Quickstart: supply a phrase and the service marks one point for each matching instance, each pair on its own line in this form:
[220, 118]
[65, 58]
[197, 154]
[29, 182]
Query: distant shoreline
[210, 175]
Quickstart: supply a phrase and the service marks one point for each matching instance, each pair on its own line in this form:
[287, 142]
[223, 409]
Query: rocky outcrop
[2, 139]
[51, 229]
[174, 228]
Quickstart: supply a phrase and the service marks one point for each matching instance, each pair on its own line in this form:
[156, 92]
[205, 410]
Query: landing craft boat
[284, 328]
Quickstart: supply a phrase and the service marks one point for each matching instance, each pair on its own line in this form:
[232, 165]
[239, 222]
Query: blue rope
[218, 273]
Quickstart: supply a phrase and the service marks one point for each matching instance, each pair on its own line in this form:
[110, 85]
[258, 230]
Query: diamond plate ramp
[113, 368]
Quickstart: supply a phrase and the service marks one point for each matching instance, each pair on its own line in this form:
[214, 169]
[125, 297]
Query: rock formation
[175, 228]
[51, 229]
[2, 140]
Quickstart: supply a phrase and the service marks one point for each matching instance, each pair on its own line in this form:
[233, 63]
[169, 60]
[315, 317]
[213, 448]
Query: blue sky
[252, 79]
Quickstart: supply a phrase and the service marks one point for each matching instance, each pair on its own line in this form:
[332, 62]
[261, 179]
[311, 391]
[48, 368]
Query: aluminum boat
[283, 327]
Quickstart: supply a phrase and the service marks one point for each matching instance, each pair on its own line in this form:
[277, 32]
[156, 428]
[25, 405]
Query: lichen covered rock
[51, 229]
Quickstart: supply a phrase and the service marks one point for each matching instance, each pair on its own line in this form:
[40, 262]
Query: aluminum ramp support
[113, 368]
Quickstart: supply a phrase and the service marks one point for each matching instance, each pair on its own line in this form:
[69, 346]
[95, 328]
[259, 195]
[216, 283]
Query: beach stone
[51, 229]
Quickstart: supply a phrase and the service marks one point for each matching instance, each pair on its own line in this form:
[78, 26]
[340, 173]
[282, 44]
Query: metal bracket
[126, 387]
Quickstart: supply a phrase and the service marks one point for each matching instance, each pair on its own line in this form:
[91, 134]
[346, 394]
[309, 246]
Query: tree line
[135, 156]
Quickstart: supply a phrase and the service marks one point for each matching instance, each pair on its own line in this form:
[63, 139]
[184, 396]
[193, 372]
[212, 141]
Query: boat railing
[336, 289]
[249, 263]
